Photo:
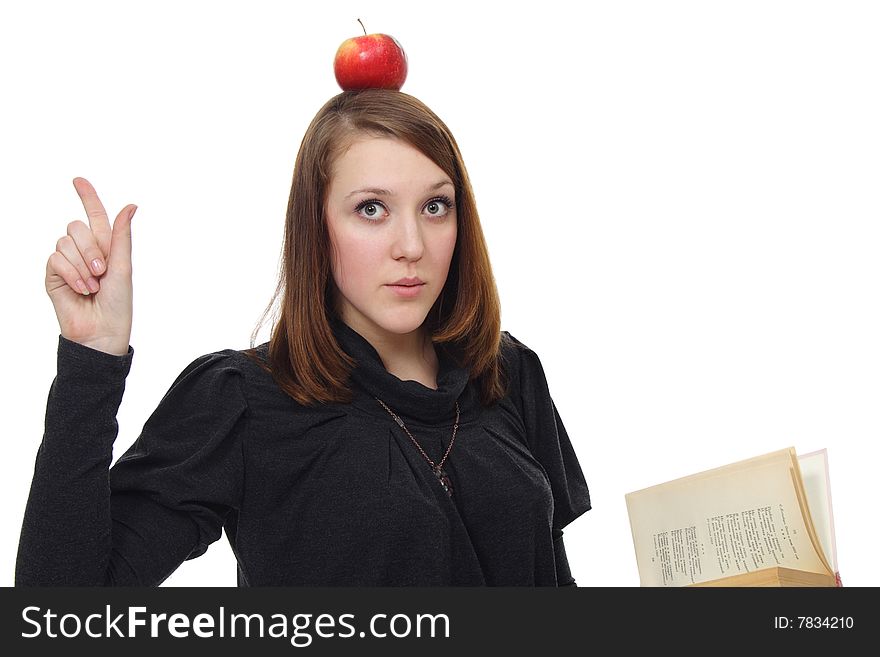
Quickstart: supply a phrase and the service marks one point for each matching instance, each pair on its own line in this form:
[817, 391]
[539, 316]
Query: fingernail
[132, 213]
[82, 287]
[97, 266]
[93, 284]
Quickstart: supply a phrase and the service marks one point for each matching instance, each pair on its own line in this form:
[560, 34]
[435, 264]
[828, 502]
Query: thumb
[120, 240]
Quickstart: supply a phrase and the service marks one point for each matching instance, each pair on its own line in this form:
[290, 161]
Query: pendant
[444, 479]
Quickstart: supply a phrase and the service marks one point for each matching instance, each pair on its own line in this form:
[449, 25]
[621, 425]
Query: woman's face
[390, 213]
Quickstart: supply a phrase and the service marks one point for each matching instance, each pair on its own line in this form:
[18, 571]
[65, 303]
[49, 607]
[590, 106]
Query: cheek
[447, 246]
[355, 259]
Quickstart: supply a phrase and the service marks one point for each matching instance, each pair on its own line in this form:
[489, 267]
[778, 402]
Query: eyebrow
[387, 192]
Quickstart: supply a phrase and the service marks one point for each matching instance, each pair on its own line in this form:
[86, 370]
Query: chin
[402, 327]
[402, 322]
[395, 318]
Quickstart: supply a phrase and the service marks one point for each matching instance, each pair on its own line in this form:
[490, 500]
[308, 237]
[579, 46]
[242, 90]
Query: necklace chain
[436, 467]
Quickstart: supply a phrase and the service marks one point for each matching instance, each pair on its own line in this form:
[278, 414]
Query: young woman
[388, 434]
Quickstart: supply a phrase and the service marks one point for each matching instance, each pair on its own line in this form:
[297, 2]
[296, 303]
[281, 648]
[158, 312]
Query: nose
[408, 239]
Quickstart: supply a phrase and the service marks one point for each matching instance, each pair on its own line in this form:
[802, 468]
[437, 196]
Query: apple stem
[362, 27]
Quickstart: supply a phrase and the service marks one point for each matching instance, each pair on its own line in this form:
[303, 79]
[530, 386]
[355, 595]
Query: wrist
[110, 346]
[81, 362]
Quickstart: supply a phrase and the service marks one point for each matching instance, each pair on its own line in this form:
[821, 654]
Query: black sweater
[334, 495]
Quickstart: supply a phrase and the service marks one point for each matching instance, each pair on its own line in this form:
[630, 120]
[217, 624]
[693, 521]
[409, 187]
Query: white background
[680, 199]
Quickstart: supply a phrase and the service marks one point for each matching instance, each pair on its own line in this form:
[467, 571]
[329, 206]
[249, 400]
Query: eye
[440, 206]
[369, 209]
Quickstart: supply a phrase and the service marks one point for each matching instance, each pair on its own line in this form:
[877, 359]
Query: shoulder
[223, 360]
[520, 360]
[210, 370]
[223, 367]
[511, 345]
[239, 374]
[240, 361]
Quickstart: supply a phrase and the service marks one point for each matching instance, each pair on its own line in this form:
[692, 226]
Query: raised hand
[88, 277]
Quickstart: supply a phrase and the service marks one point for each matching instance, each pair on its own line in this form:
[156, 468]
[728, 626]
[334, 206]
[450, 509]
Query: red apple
[372, 61]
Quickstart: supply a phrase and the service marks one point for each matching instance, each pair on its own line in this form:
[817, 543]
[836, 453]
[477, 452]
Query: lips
[408, 282]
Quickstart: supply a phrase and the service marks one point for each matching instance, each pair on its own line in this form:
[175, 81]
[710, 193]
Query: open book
[765, 521]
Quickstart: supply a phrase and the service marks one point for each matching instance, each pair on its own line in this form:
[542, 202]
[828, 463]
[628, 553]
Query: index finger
[98, 220]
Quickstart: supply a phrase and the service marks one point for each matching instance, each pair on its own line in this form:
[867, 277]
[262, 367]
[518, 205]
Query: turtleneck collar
[409, 399]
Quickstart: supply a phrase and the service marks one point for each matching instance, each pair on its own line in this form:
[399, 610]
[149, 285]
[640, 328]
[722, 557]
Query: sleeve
[563, 570]
[164, 500]
[549, 441]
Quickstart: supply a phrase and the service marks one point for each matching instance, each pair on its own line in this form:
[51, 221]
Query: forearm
[66, 531]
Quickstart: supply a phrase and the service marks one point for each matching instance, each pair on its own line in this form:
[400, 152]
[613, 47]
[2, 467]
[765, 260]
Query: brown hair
[304, 357]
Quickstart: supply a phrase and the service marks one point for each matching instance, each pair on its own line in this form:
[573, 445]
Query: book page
[719, 523]
[814, 472]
